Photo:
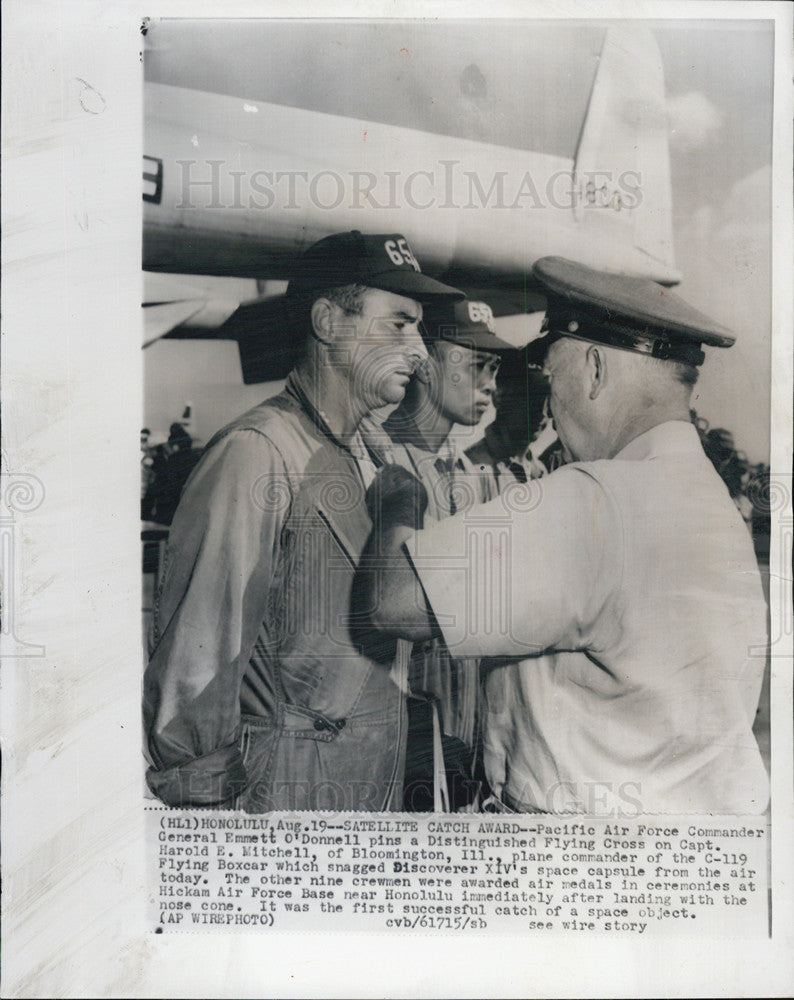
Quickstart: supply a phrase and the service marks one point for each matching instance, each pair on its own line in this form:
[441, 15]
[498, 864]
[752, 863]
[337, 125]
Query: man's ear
[322, 321]
[596, 369]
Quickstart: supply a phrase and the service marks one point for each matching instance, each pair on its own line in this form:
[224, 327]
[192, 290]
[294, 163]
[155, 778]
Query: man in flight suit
[455, 386]
[255, 694]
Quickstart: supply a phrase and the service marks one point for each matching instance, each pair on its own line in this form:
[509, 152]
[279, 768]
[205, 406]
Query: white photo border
[74, 909]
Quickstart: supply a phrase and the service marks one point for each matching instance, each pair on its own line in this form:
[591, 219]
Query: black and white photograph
[397, 491]
[450, 274]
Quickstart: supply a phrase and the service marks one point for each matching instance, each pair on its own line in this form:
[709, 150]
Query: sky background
[719, 98]
[718, 82]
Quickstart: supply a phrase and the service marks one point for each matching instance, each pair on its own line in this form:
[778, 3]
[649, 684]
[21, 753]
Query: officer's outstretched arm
[387, 594]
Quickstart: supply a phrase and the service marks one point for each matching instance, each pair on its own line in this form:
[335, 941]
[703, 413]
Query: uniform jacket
[452, 484]
[636, 577]
[255, 694]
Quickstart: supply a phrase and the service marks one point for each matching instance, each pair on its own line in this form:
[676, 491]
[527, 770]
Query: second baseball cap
[467, 323]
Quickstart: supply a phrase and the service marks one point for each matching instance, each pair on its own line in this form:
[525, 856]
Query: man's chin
[388, 395]
[470, 419]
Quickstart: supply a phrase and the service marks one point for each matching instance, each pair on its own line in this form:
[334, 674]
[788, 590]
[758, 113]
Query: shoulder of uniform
[582, 483]
[273, 420]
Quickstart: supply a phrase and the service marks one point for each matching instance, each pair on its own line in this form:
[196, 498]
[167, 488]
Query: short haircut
[679, 371]
[349, 298]
[686, 374]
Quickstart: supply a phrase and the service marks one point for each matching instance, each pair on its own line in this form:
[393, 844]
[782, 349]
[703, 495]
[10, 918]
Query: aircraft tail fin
[622, 163]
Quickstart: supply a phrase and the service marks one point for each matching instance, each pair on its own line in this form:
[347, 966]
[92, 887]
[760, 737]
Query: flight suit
[256, 695]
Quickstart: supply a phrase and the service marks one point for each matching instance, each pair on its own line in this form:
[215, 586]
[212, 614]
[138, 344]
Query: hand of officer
[395, 496]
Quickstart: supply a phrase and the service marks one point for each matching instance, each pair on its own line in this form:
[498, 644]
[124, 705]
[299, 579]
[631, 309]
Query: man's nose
[487, 382]
[415, 347]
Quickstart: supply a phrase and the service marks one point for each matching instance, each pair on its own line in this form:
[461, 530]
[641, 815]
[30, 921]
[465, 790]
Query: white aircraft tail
[622, 163]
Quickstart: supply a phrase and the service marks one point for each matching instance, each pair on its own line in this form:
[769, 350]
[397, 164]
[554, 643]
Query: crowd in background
[166, 464]
[747, 483]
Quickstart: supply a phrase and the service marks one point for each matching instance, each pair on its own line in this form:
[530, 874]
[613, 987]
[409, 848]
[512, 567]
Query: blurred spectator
[155, 452]
[145, 461]
[719, 446]
[747, 484]
[170, 471]
[759, 494]
[520, 399]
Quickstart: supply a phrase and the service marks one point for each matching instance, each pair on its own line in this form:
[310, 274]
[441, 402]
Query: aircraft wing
[237, 188]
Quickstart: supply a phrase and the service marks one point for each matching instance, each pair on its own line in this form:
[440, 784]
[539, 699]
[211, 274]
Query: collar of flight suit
[296, 387]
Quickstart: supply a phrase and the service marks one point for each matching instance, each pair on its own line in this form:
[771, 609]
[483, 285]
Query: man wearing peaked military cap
[255, 694]
[626, 586]
[650, 339]
[634, 314]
